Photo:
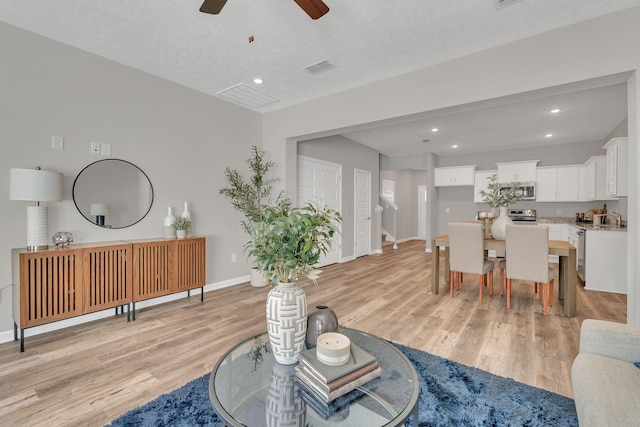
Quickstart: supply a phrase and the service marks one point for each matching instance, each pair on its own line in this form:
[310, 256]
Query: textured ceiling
[365, 40]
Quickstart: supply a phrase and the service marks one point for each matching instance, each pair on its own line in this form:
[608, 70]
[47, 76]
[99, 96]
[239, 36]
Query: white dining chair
[466, 255]
[527, 259]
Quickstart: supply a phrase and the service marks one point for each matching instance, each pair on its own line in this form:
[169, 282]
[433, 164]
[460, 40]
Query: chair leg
[458, 280]
[451, 284]
[551, 293]
[545, 302]
[508, 293]
[536, 287]
[501, 281]
[491, 283]
[461, 277]
[539, 290]
[483, 278]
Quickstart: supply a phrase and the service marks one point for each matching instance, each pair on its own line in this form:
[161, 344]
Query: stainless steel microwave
[527, 191]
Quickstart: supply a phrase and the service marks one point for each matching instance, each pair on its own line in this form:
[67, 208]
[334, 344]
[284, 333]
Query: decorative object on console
[36, 185]
[500, 197]
[187, 214]
[333, 349]
[181, 224]
[62, 239]
[169, 231]
[321, 319]
[100, 210]
[286, 245]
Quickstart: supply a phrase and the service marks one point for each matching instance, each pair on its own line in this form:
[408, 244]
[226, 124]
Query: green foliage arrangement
[288, 241]
[496, 198]
[181, 223]
[250, 196]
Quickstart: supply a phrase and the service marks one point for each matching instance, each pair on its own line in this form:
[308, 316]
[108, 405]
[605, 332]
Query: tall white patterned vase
[499, 227]
[286, 321]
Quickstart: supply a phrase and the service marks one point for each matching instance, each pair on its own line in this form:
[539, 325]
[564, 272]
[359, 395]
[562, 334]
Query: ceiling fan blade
[314, 8]
[212, 6]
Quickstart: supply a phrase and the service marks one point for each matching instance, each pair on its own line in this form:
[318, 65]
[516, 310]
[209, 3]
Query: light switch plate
[106, 149]
[57, 143]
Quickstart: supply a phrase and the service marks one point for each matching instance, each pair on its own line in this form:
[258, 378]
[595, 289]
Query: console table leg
[21, 340]
[133, 314]
[15, 331]
[202, 294]
[128, 312]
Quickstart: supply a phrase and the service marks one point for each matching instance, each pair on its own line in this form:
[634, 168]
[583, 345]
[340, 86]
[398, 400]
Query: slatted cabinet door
[153, 269]
[50, 288]
[189, 262]
[107, 276]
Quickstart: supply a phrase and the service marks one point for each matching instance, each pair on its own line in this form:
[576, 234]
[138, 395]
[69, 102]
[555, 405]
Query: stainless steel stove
[522, 214]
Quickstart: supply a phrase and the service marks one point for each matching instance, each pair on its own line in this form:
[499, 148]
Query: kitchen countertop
[585, 225]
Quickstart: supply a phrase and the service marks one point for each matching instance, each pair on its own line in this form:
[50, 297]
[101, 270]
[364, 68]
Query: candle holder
[486, 228]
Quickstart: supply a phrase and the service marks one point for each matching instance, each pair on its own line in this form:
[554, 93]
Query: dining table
[567, 273]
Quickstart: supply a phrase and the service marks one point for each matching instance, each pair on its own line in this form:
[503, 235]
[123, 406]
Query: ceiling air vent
[247, 96]
[318, 67]
[504, 3]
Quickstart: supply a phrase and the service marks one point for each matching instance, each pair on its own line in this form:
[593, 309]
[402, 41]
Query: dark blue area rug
[451, 394]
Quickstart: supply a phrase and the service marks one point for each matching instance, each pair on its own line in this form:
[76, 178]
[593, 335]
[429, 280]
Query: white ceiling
[365, 40]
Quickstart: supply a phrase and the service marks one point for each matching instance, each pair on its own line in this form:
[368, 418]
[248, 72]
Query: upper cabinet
[594, 183]
[524, 171]
[617, 150]
[558, 184]
[454, 175]
[481, 183]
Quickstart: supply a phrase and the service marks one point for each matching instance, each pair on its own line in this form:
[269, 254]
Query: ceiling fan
[314, 8]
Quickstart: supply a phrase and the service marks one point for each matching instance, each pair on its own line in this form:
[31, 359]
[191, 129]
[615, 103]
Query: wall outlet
[447, 210]
[234, 258]
[95, 148]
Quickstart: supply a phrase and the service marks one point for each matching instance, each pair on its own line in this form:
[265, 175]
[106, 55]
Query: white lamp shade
[35, 185]
[100, 209]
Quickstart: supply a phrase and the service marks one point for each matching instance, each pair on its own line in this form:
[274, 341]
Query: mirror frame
[73, 193]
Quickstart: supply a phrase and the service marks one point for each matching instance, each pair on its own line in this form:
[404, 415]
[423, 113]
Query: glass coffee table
[248, 388]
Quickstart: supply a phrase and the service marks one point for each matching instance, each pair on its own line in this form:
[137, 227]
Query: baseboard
[375, 252]
[347, 259]
[7, 336]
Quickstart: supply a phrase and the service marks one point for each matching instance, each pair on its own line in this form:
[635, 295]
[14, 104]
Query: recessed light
[549, 135]
[554, 111]
[454, 146]
[258, 81]
[434, 130]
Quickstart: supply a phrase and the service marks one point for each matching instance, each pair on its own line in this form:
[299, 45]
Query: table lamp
[99, 210]
[36, 185]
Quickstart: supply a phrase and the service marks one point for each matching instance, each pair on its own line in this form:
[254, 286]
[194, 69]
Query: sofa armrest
[615, 340]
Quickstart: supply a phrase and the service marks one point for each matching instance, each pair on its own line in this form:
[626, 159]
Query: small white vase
[181, 234]
[499, 227]
[257, 279]
[286, 322]
[168, 231]
[186, 214]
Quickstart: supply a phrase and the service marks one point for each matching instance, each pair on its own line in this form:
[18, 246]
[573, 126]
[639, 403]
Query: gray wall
[351, 155]
[406, 184]
[181, 138]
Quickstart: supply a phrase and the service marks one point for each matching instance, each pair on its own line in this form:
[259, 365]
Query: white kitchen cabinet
[617, 152]
[524, 171]
[556, 232]
[594, 182]
[454, 175]
[481, 183]
[605, 266]
[558, 184]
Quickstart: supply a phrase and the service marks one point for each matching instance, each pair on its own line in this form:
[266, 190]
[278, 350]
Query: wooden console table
[567, 273]
[59, 283]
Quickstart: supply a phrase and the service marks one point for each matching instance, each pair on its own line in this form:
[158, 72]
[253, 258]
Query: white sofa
[605, 381]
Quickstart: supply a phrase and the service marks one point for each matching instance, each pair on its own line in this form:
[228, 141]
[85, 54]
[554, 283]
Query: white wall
[600, 47]
[181, 138]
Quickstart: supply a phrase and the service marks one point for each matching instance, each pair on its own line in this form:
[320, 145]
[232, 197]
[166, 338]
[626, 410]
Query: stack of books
[331, 382]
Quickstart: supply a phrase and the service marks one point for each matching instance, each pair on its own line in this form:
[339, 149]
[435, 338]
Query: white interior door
[422, 211]
[362, 212]
[320, 181]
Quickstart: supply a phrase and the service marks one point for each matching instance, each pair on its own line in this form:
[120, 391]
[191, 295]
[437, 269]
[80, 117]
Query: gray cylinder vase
[321, 319]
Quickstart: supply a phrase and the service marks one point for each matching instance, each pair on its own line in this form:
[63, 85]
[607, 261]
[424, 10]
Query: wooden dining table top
[556, 247]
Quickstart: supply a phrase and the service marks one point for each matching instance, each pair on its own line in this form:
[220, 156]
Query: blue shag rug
[451, 394]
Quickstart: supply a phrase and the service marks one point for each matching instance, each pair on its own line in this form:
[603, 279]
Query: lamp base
[37, 228]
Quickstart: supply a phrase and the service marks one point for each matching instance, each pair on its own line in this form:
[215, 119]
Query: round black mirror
[113, 193]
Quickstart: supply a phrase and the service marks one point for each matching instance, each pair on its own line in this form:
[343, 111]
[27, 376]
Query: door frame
[355, 224]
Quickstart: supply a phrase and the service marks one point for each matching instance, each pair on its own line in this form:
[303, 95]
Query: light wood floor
[92, 373]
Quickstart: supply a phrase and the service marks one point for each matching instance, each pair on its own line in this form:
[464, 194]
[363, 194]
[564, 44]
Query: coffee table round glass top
[248, 388]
